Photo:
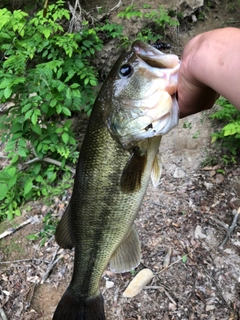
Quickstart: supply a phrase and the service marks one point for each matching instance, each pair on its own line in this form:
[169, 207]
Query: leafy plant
[187, 125]
[209, 161]
[196, 135]
[48, 230]
[46, 76]
[229, 135]
[155, 21]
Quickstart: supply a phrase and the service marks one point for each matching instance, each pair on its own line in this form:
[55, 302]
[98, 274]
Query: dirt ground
[184, 218]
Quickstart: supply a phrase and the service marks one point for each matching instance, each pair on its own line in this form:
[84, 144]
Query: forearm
[210, 65]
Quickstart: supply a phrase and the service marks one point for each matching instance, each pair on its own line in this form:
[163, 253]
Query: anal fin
[63, 233]
[156, 170]
[128, 254]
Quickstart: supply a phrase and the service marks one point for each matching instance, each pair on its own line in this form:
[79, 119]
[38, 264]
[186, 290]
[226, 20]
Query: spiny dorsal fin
[63, 233]
[133, 171]
[128, 254]
[156, 170]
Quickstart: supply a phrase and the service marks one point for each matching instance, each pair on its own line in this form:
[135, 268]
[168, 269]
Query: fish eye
[125, 70]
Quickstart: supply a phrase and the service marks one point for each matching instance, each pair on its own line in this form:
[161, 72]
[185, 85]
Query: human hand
[193, 95]
[209, 67]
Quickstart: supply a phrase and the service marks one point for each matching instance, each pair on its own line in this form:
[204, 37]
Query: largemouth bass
[119, 154]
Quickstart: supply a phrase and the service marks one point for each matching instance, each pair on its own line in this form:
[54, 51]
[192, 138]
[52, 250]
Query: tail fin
[72, 307]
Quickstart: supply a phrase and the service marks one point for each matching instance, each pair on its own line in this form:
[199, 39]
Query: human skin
[210, 66]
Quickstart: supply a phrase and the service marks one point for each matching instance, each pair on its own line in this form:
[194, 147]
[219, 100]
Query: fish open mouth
[146, 104]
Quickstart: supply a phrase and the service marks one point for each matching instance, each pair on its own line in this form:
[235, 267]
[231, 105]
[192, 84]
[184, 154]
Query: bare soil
[185, 214]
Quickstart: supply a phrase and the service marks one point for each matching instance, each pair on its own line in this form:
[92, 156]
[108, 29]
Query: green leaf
[65, 137]
[32, 237]
[11, 171]
[34, 118]
[22, 152]
[184, 259]
[93, 82]
[26, 107]
[14, 159]
[68, 93]
[59, 130]
[7, 92]
[86, 81]
[66, 111]
[28, 114]
[59, 108]
[45, 107]
[46, 32]
[53, 102]
[3, 190]
[17, 212]
[27, 186]
[16, 127]
[74, 85]
[36, 167]
[37, 129]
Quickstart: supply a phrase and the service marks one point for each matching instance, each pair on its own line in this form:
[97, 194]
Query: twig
[177, 260]
[76, 18]
[117, 6]
[31, 296]
[12, 230]
[3, 314]
[160, 288]
[51, 265]
[49, 160]
[22, 260]
[107, 14]
[230, 230]
[167, 258]
[216, 285]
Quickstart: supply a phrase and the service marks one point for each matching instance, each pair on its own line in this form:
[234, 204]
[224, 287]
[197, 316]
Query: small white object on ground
[138, 283]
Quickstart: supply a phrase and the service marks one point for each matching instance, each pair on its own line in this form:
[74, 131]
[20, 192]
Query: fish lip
[141, 48]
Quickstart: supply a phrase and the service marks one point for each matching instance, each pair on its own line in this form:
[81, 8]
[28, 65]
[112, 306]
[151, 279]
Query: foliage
[210, 160]
[46, 76]
[155, 21]
[229, 135]
[48, 230]
[187, 125]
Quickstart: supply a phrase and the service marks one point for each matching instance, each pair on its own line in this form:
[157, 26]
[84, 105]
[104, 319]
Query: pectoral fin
[133, 171]
[156, 170]
[63, 233]
[128, 255]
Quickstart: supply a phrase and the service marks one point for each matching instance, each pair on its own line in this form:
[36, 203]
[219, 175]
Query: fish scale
[111, 180]
[108, 212]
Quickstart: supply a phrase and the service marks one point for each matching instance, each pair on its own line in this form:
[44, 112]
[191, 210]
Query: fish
[134, 108]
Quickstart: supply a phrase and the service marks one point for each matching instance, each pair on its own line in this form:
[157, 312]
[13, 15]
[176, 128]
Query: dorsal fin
[128, 254]
[63, 233]
[133, 171]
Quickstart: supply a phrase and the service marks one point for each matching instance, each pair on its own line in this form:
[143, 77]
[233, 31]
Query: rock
[210, 307]
[179, 173]
[208, 185]
[109, 284]
[219, 178]
[198, 233]
[190, 6]
[138, 283]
